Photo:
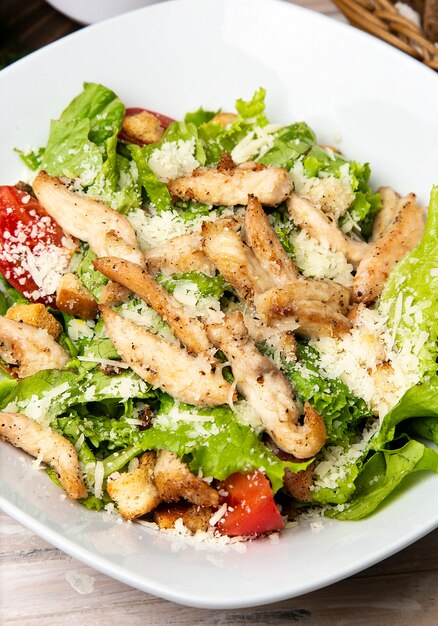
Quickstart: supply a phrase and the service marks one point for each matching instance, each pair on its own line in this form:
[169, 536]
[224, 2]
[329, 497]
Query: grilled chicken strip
[234, 260]
[321, 227]
[267, 390]
[278, 338]
[316, 307]
[106, 231]
[388, 212]
[55, 450]
[178, 255]
[396, 240]
[280, 308]
[187, 378]
[261, 238]
[30, 349]
[189, 331]
[271, 185]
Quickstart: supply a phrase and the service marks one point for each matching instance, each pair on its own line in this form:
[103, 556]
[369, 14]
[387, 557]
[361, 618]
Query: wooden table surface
[37, 580]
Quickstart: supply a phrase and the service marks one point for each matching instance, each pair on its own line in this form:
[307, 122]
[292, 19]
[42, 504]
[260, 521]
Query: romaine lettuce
[380, 476]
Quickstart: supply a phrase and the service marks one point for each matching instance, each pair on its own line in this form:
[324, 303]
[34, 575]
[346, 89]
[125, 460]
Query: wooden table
[34, 577]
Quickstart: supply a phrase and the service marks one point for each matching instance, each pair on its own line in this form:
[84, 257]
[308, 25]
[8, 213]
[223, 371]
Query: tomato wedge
[34, 251]
[251, 506]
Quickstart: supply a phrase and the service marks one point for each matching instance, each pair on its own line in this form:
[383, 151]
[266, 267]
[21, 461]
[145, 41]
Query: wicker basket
[381, 18]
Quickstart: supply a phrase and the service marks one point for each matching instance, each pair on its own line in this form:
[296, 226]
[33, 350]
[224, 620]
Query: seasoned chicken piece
[314, 318]
[53, 449]
[134, 492]
[276, 337]
[190, 331]
[234, 260]
[265, 244]
[321, 227]
[178, 255]
[106, 231]
[35, 315]
[386, 215]
[141, 128]
[193, 517]
[113, 294]
[267, 390]
[271, 185]
[333, 294]
[187, 378]
[73, 298]
[396, 240]
[175, 481]
[30, 349]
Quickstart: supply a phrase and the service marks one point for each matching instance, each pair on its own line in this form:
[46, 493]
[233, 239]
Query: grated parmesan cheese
[153, 228]
[316, 260]
[173, 160]
[256, 143]
[99, 473]
[367, 361]
[80, 329]
[330, 194]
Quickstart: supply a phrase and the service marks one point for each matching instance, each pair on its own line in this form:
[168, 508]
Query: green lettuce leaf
[289, 144]
[32, 158]
[92, 280]
[207, 286]
[343, 412]
[419, 401]
[424, 427]
[10, 295]
[157, 193]
[220, 446]
[381, 474]
[415, 279]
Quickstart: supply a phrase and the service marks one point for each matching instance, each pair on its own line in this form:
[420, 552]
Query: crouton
[224, 119]
[175, 481]
[193, 517]
[142, 128]
[134, 492]
[35, 315]
[73, 298]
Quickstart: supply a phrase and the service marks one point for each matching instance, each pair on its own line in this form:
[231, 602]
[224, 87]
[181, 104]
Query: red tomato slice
[163, 119]
[251, 506]
[33, 250]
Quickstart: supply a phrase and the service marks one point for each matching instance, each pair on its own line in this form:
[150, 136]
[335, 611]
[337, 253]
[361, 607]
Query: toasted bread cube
[142, 127]
[73, 298]
[134, 492]
[35, 315]
[224, 119]
[174, 481]
[193, 517]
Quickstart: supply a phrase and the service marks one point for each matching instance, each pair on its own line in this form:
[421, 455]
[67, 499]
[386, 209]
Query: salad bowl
[357, 93]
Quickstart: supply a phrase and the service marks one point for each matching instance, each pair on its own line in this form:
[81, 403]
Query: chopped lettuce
[289, 144]
[10, 295]
[413, 283]
[423, 427]
[92, 280]
[220, 445]
[207, 286]
[342, 411]
[380, 476]
[419, 401]
[31, 158]
[156, 192]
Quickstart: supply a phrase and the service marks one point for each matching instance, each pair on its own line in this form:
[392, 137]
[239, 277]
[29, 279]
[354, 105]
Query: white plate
[174, 57]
